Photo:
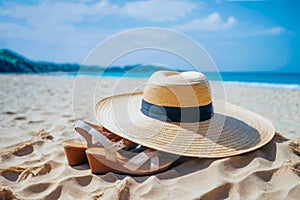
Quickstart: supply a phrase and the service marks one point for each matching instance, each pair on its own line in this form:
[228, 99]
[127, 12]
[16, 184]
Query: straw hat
[176, 114]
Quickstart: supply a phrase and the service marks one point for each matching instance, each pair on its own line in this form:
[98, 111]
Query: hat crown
[175, 89]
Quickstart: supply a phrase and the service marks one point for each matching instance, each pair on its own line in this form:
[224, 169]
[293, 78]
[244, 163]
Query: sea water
[255, 79]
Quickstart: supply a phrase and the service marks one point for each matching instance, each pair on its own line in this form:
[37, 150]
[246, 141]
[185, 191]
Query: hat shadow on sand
[188, 165]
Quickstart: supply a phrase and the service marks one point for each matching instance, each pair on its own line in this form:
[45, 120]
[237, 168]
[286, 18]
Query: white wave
[266, 85]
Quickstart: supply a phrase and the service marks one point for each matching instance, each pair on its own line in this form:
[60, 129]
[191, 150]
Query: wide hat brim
[231, 131]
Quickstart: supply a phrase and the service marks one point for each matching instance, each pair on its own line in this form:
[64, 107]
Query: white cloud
[48, 18]
[60, 28]
[213, 22]
[55, 26]
[75, 25]
[157, 10]
[52, 13]
[270, 31]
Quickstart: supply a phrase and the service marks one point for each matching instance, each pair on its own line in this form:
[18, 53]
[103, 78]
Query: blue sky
[239, 35]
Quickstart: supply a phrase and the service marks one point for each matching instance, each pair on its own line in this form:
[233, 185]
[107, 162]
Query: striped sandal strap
[140, 159]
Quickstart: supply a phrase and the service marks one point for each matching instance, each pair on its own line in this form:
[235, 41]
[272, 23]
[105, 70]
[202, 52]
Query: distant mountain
[13, 62]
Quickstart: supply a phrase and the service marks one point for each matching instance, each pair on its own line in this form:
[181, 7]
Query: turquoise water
[248, 77]
[280, 78]
[259, 79]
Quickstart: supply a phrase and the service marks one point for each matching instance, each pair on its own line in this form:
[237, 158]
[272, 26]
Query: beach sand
[37, 116]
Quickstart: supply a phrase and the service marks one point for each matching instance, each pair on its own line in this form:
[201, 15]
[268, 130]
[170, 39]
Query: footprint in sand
[10, 113]
[26, 148]
[55, 194]
[12, 174]
[221, 191]
[42, 134]
[84, 180]
[35, 121]
[20, 118]
[266, 175]
[23, 150]
[37, 188]
[16, 174]
[71, 120]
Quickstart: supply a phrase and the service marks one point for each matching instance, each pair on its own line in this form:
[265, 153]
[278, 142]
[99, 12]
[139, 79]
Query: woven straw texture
[231, 131]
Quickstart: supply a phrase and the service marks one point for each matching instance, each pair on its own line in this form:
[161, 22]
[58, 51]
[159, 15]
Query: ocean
[260, 79]
[255, 79]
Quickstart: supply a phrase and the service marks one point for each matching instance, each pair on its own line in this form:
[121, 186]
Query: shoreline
[270, 85]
